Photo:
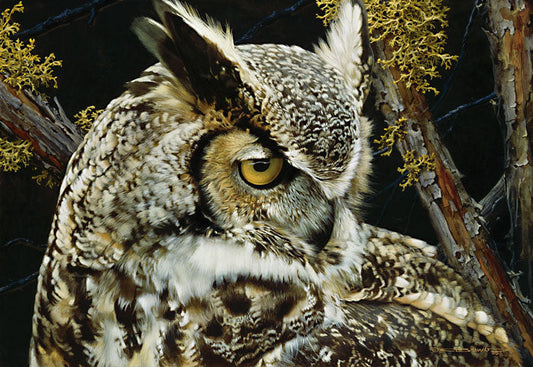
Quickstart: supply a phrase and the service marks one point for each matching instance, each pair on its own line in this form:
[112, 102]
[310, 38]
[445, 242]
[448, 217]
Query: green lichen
[45, 178]
[414, 31]
[330, 9]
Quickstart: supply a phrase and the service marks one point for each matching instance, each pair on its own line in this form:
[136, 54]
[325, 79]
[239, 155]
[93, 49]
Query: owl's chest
[238, 323]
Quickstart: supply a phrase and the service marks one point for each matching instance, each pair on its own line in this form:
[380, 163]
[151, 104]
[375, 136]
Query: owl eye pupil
[261, 165]
[261, 173]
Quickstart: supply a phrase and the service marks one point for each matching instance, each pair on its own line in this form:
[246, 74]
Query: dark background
[98, 58]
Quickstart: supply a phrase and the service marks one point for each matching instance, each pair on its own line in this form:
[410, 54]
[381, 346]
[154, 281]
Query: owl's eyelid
[252, 152]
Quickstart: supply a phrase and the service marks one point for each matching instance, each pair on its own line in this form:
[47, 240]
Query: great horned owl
[210, 219]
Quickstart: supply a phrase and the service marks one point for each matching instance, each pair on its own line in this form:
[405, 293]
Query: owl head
[256, 144]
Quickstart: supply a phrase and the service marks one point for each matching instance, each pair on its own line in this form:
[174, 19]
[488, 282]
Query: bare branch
[53, 137]
[511, 38]
[67, 16]
[454, 214]
[451, 76]
[464, 107]
[19, 283]
[494, 203]
[271, 18]
[24, 242]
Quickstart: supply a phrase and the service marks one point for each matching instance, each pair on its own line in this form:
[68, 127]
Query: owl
[211, 218]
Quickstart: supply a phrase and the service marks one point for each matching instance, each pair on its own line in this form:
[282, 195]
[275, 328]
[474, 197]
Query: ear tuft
[208, 29]
[157, 41]
[198, 52]
[347, 48]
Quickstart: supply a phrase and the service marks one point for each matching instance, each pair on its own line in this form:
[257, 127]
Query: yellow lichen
[20, 67]
[413, 166]
[45, 178]
[392, 134]
[86, 117]
[413, 29]
[14, 154]
[330, 8]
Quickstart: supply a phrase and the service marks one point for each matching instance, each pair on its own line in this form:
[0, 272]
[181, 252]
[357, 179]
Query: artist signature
[472, 349]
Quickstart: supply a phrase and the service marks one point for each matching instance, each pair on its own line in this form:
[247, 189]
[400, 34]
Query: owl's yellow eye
[261, 172]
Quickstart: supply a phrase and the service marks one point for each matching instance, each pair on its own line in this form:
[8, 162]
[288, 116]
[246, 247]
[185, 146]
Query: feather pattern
[163, 252]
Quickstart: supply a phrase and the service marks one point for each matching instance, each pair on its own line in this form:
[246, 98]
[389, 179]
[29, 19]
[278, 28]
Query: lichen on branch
[414, 165]
[14, 154]
[20, 67]
[392, 134]
[330, 8]
[85, 118]
[45, 178]
[414, 31]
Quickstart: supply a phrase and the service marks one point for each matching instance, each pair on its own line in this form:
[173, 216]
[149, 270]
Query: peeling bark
[53, 136]
[510, 33]
[494, 203]
[454, 214]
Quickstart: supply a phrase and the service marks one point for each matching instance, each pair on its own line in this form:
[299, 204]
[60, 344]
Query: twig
[411, 210]
[386, 205]
[90, 9]
[269, 19]
[464, 107]
[494, 203]
[450, 78]
[19, 283]
[24, 242]
[67, 16]
[396, 182]
[379, 152]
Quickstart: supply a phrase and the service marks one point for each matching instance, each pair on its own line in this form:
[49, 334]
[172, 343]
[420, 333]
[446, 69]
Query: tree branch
[465, 106]
[67, 16]
[454, 214]
[510, 35]
[19, 283]
[271, 18]
[53, 137]
[494, 204]
[24, 242]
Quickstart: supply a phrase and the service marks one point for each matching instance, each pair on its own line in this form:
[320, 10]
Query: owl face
[267, 133]
[245, 180]
[258, 146]
[216, 137]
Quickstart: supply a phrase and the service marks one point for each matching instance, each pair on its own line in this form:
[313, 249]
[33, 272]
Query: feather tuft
[347, 48]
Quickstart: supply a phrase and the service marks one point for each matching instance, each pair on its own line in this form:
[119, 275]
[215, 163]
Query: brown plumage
[210, 218]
